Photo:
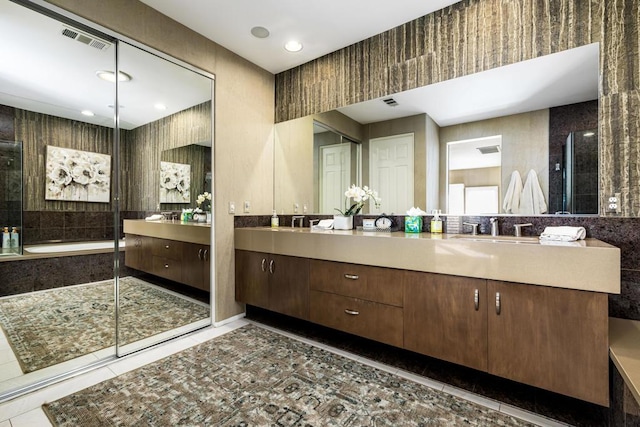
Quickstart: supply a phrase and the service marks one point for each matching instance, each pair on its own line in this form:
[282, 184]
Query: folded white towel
[563, 234]
[511, 202]
[579, 243]
[532, 199]
[155, 217]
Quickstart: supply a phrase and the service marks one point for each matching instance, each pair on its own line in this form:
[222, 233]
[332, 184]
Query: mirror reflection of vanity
[532, 107]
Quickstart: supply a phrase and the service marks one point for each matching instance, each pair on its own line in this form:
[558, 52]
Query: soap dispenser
[436, 222]
[6, 240]
[14, 238]
[275, 221]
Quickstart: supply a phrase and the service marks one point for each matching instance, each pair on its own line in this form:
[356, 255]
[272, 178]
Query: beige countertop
[624, 347]
[191, 232]
[590, 265]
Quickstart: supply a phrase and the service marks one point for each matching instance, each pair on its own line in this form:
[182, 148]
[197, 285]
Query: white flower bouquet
[360, 197]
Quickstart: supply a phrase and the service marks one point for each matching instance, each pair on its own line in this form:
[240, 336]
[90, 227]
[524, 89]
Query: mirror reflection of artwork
[175, 179]
[79, 176]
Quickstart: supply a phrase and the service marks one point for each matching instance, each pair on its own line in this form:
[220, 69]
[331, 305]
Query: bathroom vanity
[170, 249]
[536, 314]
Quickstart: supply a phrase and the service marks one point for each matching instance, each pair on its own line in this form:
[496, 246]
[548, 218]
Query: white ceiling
[322, 26]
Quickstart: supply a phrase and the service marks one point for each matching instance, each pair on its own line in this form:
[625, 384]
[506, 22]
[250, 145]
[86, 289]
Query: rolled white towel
[563, 234]
[155, 217]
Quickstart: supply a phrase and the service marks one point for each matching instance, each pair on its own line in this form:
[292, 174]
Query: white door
[391, 173]
[335, 172]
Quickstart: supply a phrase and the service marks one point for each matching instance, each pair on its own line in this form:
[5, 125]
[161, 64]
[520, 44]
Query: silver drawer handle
[200, 254]
[351, 276]
[351, 312]
[264, 264]
[166, 266]
[476, 299]
[166, 247]
[498, 303]
[271, 266]
[205, 255]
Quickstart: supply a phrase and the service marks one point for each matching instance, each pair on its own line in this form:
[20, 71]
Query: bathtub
[71, 247]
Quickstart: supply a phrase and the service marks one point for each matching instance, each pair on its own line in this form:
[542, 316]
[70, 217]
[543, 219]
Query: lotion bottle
[6, 240]
[275, 221]
[436, 222]
[14, 238]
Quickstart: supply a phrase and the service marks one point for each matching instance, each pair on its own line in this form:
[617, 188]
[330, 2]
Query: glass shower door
[10, 197]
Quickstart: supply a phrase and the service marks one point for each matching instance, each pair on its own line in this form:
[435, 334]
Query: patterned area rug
[255, 377]
[46, 328]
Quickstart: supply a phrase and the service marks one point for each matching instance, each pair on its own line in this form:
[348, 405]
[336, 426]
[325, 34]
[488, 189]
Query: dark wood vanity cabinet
[552, 338]
[275, 282]
[182, 262]
[446, 317]
[196, 266]
[358, 299]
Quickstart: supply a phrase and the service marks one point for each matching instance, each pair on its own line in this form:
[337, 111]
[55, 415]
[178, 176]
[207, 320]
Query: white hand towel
[511, 202]
[563, 234]
[532, 200]
[155, 217]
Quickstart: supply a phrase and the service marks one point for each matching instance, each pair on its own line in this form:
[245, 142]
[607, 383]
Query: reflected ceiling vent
[390, 102]
[84, 38]
[489, 149]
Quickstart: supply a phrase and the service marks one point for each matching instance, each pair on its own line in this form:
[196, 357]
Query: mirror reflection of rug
[255, 377]
[49, 327]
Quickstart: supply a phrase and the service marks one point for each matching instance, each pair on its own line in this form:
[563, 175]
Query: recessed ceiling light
[87, 113]
[110, 76]
[160, 106]
[293, 46]
[260, 32]
[589, 133]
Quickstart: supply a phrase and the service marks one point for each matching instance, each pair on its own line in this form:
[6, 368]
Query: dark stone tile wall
[623, 233]
[47, 273]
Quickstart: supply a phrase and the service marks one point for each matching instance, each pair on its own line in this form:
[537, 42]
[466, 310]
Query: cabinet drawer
[167, 268]
[367, 319]
[377, 284]
[167, 249]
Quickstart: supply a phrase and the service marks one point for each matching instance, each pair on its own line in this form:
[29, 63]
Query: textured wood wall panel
[478, 35]
[140, 154]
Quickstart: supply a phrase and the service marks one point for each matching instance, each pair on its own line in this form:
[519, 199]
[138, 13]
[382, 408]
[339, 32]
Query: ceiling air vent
[489, 149]
[390, 102]
[84, 38]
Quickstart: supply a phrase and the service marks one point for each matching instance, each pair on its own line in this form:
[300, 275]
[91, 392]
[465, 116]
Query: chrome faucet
[294, 218]
[495, 231]
[474, 227]
[518, 228]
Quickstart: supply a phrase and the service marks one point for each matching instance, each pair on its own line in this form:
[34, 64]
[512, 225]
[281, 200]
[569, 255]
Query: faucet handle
[518, 228]
[474, 227]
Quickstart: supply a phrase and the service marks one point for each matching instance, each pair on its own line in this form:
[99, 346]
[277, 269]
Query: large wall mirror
[537, 119]
[87, 163]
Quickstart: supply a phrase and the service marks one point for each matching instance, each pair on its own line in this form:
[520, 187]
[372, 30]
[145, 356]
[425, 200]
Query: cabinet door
[138, 252]
[252, 279]
[552, 338]
[446, 317]
[289, 285]
[195, 266]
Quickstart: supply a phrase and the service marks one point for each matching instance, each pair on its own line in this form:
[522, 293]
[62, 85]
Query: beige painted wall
[244, 119]
[525, 146]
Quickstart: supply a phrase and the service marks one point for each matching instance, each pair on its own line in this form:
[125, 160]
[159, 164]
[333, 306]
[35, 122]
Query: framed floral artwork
[175, 179]
[78, 176]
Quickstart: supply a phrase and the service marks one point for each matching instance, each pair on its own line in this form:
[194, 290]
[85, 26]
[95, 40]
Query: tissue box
[412, 224]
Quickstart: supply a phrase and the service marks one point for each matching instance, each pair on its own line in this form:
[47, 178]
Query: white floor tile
[34, 418]
[472, 397]
[420, 379]
[9, 370]
[530, 417]
[5, 423]
[6, 356]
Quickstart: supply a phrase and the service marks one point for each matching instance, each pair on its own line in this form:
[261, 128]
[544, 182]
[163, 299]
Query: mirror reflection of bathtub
[72, 247]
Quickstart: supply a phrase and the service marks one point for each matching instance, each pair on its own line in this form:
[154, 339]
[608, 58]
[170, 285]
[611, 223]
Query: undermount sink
[498, 239]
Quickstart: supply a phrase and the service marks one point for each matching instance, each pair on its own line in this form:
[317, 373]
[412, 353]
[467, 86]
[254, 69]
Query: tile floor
[26, 411]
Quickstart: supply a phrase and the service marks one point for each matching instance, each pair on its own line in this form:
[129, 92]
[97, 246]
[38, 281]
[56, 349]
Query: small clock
[384, 222]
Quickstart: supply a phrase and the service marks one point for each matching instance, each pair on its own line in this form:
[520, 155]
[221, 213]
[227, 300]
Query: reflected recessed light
[87, 113]
[110, 76]
[293, 46]
[260, 32]
[160, 106]
[589, 134]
